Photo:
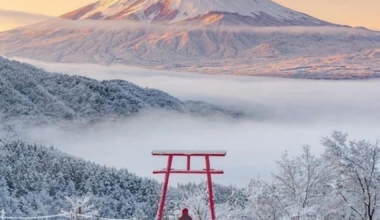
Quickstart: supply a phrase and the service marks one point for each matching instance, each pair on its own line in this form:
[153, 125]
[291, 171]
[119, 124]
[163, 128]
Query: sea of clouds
[287, 114]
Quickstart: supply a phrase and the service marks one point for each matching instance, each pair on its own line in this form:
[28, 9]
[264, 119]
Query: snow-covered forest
[37, 180]
[343, 183]
[34, 95]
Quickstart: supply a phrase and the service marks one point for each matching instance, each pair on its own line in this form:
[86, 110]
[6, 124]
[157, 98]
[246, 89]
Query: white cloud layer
[287, 113]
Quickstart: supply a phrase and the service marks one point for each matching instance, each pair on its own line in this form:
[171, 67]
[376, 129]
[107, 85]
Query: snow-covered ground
[288, 115]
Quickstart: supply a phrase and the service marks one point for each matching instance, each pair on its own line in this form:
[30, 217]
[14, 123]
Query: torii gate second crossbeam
[188, 154]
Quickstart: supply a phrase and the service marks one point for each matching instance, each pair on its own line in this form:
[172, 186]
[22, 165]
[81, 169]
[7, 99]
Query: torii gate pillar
[188, 154]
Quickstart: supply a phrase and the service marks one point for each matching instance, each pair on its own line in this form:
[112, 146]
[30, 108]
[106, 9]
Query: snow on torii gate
[208, 171]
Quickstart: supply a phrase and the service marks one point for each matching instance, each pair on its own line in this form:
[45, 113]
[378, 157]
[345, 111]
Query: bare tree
[298, 191]
[81, 206]
[357, 179]
[302, 180]
[266, 203]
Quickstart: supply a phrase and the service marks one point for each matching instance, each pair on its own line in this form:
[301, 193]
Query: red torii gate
[188, 170]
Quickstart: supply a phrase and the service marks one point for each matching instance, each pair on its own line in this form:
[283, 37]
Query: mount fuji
[241, 37]
[207, 12]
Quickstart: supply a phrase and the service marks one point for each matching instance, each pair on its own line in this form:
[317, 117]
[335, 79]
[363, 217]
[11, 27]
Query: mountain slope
[28, 93]
[243, 37]
[256, 12]
[34, 181]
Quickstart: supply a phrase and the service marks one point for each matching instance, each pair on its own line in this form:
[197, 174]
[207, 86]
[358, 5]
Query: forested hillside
[32, 94]
[342, 184]
[35, 181]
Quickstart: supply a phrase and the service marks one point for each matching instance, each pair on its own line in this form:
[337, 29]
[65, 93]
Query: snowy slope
[31, 94]
[242, 37]
[57, 175]
[173, 11]
[37, 180]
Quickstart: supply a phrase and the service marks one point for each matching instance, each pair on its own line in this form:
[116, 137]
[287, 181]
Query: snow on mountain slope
[242, 37]
[173, 11]
[318, 52]
[31, 94]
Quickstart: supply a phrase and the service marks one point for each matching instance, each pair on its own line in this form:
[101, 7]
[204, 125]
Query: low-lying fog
[288, 114]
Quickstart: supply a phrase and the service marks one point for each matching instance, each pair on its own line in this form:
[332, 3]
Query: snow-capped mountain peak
[264, 12]
[242, 37]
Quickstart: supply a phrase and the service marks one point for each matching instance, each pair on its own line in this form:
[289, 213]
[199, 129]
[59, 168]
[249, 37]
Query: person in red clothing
[185, 215]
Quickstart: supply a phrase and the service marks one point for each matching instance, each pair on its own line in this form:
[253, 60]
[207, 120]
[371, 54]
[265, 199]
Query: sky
[365, 13]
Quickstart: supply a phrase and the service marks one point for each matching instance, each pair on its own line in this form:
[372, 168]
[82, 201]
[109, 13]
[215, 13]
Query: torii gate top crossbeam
[198, 153]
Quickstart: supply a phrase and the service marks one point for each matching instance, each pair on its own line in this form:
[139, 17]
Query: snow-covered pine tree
[35, 181]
